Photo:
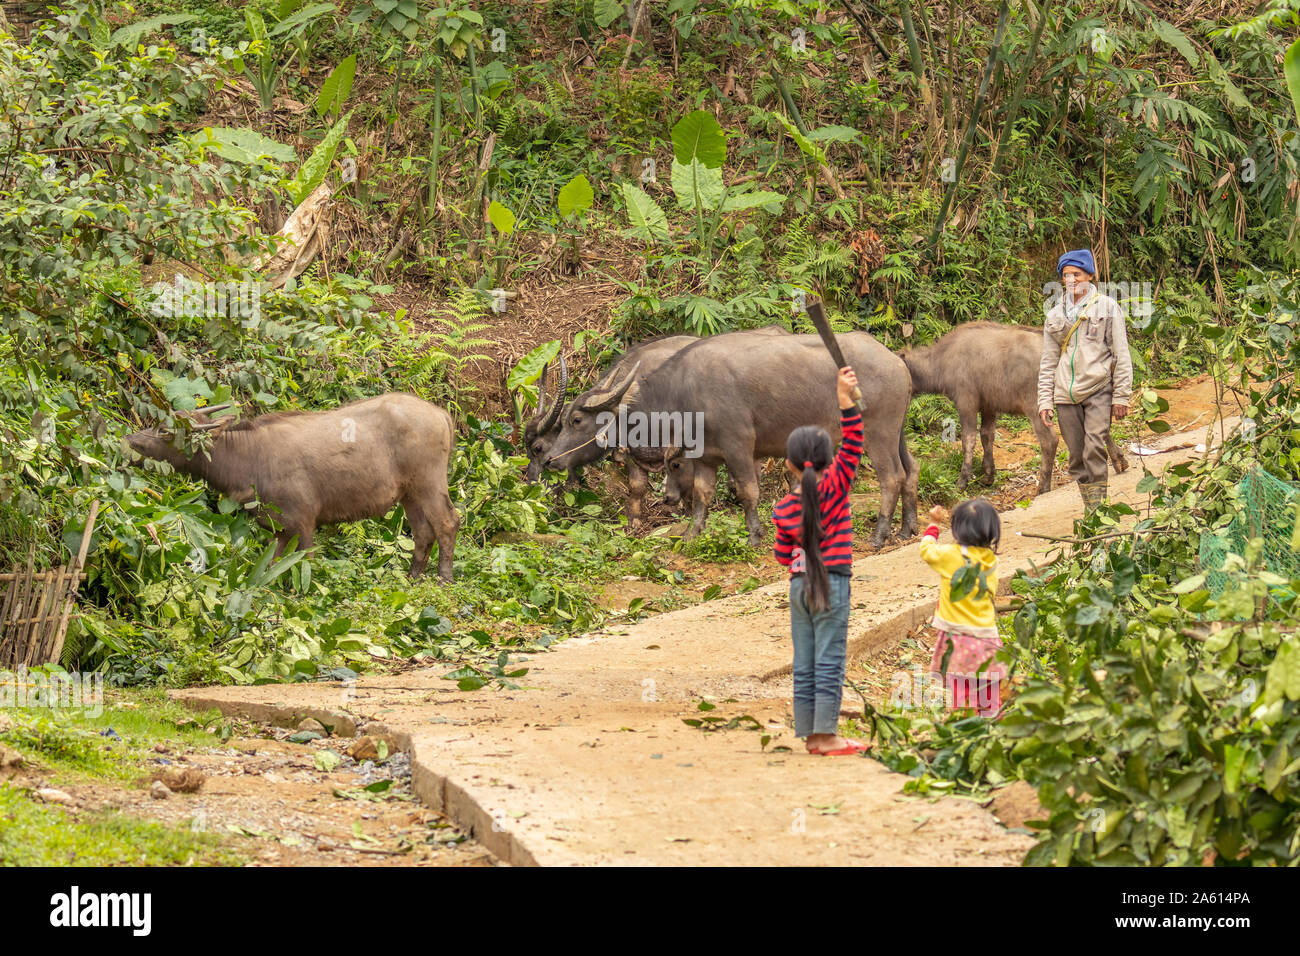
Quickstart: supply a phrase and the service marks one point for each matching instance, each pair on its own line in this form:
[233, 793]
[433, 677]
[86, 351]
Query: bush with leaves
[1159, 725]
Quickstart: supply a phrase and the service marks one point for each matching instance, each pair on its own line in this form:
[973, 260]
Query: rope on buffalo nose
[596, 437]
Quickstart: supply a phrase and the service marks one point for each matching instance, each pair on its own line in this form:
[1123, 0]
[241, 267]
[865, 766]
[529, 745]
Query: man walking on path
[1086, 372]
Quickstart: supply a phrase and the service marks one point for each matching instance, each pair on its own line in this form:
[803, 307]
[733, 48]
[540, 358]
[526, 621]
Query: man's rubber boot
[1093, 494]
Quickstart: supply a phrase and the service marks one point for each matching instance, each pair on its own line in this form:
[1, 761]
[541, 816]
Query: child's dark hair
[976, 524]
[810, 449]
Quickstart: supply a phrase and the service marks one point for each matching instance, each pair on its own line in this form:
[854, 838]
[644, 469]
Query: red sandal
[853, 747]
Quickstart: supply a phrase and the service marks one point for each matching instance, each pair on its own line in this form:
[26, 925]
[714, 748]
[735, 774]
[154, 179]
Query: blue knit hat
[1080, 258]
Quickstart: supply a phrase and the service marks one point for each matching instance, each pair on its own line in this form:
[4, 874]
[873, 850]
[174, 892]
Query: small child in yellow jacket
[967, 629]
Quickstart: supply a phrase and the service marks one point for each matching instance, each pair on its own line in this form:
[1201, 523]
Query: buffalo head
[160, 443]
[544, 427]
[585, 433]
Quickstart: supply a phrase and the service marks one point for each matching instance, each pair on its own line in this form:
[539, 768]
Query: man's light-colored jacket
[1094, 358]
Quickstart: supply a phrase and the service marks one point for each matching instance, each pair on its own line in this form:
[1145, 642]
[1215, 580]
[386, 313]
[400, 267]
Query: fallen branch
[1096, 537]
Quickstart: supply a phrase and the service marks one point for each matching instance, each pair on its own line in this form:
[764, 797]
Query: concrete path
[590, 762]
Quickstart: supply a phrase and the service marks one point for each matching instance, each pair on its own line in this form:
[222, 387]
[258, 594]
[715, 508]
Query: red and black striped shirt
[837, 519]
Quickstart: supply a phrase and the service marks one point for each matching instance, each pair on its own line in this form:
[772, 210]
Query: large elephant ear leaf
[502, 219]
[769, 200]
[648, 221]
[312, 173]
[697, 178]
[697, 136]
[524, 376]
[576, 196]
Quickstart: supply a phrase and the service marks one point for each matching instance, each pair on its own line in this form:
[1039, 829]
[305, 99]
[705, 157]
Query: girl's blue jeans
[820, 648]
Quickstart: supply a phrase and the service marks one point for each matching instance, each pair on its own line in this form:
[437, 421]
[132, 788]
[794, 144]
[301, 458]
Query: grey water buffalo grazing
[646, 356]
[307, 469]
[749, 395]
[544, 427]
[989, 369]
[679, 473]
[639, 458]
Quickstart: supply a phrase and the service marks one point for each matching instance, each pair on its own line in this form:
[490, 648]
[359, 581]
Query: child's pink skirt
[965, 684]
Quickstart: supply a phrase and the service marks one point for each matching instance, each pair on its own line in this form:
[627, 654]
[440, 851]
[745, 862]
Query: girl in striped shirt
[814, 539]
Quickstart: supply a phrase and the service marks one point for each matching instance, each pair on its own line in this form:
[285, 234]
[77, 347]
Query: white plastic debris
[1143, 451]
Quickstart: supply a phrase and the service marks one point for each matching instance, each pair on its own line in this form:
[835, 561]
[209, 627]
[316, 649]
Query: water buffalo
[542, 430]
[750, 393]
[308, 469]
[544, 427]
[989, 369]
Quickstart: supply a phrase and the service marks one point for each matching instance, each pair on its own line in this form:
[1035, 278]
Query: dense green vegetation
[711, 163]
[1159, 722]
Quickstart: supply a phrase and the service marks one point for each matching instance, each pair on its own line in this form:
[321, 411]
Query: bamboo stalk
[77, 575]
[925, 29]
[969, 138]
[49, 619]
[20, 608]
[436, 149]
[949, 118]
[12, 576]
[1013, 110]
[865, 24]
[471, 62]
[7, 652]
[41, 598]
[909, 30]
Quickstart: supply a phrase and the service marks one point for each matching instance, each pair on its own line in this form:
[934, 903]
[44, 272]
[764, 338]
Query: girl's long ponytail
[817, 585]
[810, 447]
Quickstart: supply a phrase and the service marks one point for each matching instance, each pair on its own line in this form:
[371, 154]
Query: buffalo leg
[910, 493]
[446, 522]
[638, 482]
[969, 426]
[733, 485]
[883, 454]
[988, 429]
[304, 533]
[745, 474]
[1047, 445]
[706, 481]
[421, 533]
[1117, 458]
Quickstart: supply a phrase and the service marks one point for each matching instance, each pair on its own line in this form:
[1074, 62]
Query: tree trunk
[1013, 110]
[994, 51]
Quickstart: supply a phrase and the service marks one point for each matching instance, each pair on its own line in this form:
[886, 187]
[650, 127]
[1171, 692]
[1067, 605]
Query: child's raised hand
[846, 387]
[937, 514]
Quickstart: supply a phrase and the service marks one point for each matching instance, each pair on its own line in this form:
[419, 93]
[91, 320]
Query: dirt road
[590, 762]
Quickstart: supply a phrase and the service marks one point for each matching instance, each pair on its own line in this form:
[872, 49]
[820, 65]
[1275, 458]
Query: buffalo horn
[553, 413]
[613, 392]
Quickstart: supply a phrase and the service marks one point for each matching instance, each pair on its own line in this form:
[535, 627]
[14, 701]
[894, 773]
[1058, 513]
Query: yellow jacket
[974, 614]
